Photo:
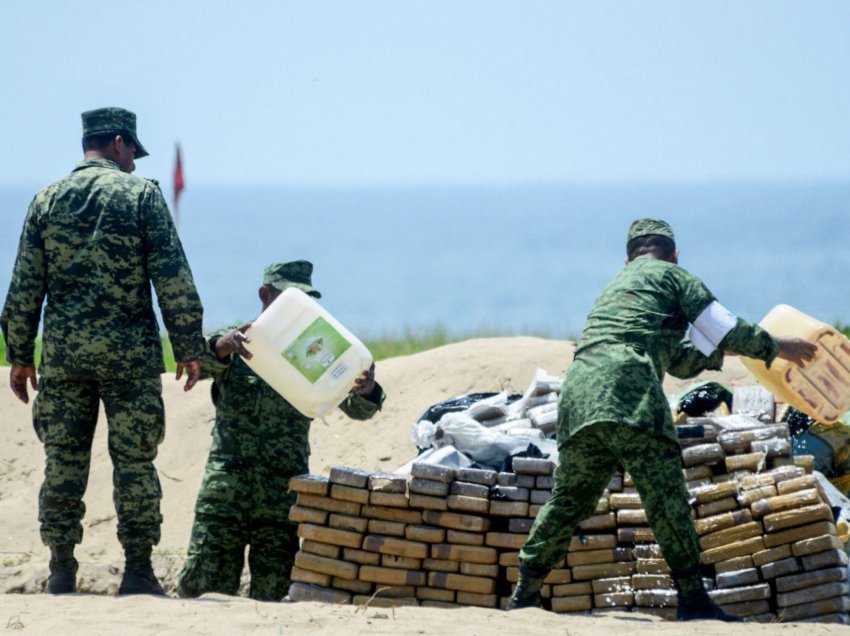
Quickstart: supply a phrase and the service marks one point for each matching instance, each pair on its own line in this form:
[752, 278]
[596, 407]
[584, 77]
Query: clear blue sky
[445, 91]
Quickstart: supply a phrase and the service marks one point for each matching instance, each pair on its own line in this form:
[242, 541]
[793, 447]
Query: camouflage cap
[292, 274]
[642, 227]
[113, 120]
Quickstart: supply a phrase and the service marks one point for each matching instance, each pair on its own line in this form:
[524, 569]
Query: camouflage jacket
[255, 424]
[632, 337]
[91, 245]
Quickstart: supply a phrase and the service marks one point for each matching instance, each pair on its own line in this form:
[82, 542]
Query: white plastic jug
[821, 388]
[305, 354]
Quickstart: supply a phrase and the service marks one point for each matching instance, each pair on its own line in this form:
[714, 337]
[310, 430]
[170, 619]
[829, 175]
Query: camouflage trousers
[587, 461]
[244, 501]
[65, 416]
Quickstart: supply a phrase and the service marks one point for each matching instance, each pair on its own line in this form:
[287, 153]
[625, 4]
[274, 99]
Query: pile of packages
[446, 529]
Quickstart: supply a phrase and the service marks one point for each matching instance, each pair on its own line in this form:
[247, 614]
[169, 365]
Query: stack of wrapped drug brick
[448, 537]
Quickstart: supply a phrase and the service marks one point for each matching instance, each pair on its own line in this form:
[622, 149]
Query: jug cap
[291, 274]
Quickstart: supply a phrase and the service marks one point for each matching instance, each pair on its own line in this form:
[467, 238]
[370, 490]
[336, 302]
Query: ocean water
[518, 259]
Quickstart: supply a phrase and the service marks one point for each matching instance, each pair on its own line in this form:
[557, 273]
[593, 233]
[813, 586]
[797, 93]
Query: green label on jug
[316, 349]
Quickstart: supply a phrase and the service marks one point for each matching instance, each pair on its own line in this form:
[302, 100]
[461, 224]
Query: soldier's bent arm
[169, 271]
[22, 310]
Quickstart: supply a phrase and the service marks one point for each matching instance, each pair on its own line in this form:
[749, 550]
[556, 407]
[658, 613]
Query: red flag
[179, 183]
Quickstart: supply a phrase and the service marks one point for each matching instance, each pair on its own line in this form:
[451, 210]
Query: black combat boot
[527, 592]
[63, 570]
[138, 573]
[695, 604]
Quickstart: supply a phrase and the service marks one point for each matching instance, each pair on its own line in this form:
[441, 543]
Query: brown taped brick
[388, 483]
[651, 566]
[508, 508]
[428, 487]
[346, 522]
[734, 564]
[310, 484]
[590, 557]
[456, 521]
[656, 598]
[480, 569]
[816, 544]
[713, 508]
[324, 565]
[466, 489]
[331, 505]
[475, 505]
[614, 599]
[299, 575]
[776, 521]
[391, 576]
[746, 461]
[434, 472]
[784, 567]
[461, 583]
[730, 535]
[652, 582]
[792, 535]
[635, 535]
[826, 559]
[343, 538]
[389, 528]
[412, 517]
[722, 521]
[619, 500]
[509, 559]
[532, 466]
[304, 592]
[810, 579]
[603, 570]
[322, 549]
[347, 476]
[750, 609]
[426, 534]
[470, 554]
[771, 555]
[477, 600]
[793, 499]
[398, 547]
[361, 556]
[478, 476]
[427, 502]
[435, 594]
[744, 594]
[800, 483]
[389, 499]
[352, 585]
[838, 604]
[746, 498]
[599, 522]
[464, 538]
[612, 584]
[702, 454]
[740, 578]
[741, 548]
[572, 589]
[715, 492]
[506, 540]
[565, 604]
[632, 517]
[440, 565]
[647, 551]
[300, 514]
[405, 563]
[349, 493]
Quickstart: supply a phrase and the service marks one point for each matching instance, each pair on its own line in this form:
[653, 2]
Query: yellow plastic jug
[820, 389]
[305, 354]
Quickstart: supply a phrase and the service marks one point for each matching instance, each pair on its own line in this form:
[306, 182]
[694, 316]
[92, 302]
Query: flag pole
[179, 183]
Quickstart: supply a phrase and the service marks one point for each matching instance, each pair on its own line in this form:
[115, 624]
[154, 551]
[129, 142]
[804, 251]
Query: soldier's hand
[193, 373]
[18, 377]
[796, 350]
[234, 342]
[365, 384]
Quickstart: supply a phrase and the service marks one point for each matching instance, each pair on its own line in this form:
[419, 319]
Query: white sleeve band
[710, 327]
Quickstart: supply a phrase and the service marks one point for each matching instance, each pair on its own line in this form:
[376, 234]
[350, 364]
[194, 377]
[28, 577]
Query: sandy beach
[412, 383]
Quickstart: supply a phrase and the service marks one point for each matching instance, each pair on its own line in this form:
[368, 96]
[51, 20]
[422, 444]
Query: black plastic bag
[704, 398]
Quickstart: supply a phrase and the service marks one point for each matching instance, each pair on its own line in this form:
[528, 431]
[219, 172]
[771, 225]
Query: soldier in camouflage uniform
[92, 244]
[613, 415]
[259, 442]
